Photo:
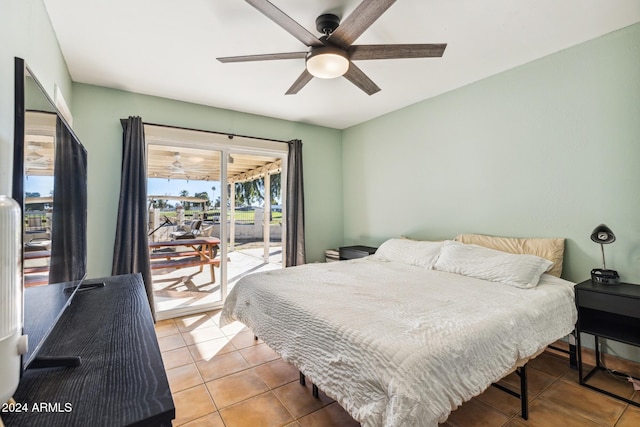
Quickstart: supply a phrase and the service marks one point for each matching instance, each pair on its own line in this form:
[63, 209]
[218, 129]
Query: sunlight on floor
[192, 289]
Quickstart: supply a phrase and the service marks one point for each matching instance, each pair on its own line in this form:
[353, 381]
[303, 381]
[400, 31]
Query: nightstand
[607, 311]
[353, 252]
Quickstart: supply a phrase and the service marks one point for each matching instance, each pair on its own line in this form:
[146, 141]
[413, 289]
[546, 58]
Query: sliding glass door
[215, 215]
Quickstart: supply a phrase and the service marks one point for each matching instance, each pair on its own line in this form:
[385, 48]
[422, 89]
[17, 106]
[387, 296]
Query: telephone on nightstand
[604, 277]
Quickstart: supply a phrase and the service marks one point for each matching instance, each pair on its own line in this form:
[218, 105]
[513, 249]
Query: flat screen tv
[50, 184]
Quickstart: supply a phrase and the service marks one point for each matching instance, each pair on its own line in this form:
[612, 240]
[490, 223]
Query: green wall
[25, 32]
[546, 149]
[551, 148]
[97, 123]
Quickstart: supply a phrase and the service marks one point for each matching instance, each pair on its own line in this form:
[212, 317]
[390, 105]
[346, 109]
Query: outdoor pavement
[187, 290]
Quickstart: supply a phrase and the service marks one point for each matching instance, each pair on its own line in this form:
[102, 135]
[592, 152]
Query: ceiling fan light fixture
[327, 62]
[176, 166]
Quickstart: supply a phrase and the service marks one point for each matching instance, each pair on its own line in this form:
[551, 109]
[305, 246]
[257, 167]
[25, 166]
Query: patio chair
[190, 232]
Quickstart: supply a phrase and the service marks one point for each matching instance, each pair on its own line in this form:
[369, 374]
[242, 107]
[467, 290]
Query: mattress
[396, 344]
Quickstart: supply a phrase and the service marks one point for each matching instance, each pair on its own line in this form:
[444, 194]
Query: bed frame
[523, 396]
[305, 354]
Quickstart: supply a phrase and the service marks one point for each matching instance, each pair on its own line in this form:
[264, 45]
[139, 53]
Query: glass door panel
[184, 201]
[254, 214]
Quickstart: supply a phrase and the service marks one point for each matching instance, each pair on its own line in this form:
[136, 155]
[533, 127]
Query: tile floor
[222, 377]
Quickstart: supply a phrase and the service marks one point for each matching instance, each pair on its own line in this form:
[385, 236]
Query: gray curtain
[131, 250]
[69, 216]
[295, 253]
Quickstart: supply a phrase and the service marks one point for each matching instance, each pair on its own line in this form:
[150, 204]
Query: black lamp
[603, 235]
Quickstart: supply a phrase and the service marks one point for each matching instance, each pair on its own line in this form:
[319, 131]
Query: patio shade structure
[205, 165]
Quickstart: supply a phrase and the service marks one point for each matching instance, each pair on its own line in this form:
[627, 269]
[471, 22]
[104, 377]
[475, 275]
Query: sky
[156, 186]
[39, 184]
[173, 187]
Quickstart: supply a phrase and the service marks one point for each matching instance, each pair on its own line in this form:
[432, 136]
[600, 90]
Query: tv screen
[50, 183]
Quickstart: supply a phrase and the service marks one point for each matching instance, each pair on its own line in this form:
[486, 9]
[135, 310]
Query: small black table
[607, 311]
[121, 379]
[353, 252]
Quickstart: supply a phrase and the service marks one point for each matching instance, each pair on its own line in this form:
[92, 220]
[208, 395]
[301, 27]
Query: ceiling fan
[186, 164]
[331, 55]
[176, 166]
[34, 159]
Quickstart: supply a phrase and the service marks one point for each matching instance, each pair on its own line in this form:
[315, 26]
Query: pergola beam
[259, 172]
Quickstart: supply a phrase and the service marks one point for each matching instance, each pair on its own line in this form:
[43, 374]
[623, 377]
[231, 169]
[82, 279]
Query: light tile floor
[223, 377]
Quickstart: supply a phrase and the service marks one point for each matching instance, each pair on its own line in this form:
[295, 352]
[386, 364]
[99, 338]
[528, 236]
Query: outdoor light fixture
[327, 62]
[603, 235]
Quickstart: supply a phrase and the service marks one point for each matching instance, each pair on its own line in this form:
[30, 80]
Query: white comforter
[398, 345]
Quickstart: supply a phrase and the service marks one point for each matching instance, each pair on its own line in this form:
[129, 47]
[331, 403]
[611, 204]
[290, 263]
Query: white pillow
[414, 252]
[520, 270]
[548, 248]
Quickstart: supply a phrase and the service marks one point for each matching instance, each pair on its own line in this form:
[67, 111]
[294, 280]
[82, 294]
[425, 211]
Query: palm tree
[185, 205]
[253, 191]
[202, 195]
[276, 187]
[249, 192]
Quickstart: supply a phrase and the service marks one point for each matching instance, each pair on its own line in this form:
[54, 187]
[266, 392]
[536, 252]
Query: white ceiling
[168, 48]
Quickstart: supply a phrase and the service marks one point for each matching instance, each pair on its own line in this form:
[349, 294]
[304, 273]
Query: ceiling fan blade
[286, 22]
[302, 80]
[360, 19]
[396, 51]
[263, 57]
[360, 79]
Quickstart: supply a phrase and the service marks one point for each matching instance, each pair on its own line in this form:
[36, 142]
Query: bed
[406, 335]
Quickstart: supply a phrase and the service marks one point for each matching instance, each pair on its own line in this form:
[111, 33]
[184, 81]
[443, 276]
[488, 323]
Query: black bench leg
[314, 391]
[302, 379]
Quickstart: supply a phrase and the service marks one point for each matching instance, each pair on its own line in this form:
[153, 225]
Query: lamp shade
[603, 235]
[327, 62]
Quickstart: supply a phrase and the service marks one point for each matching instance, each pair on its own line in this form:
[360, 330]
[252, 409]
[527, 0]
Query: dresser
[121, 378]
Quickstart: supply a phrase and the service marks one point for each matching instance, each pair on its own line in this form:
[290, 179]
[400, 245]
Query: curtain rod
[230, 135]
